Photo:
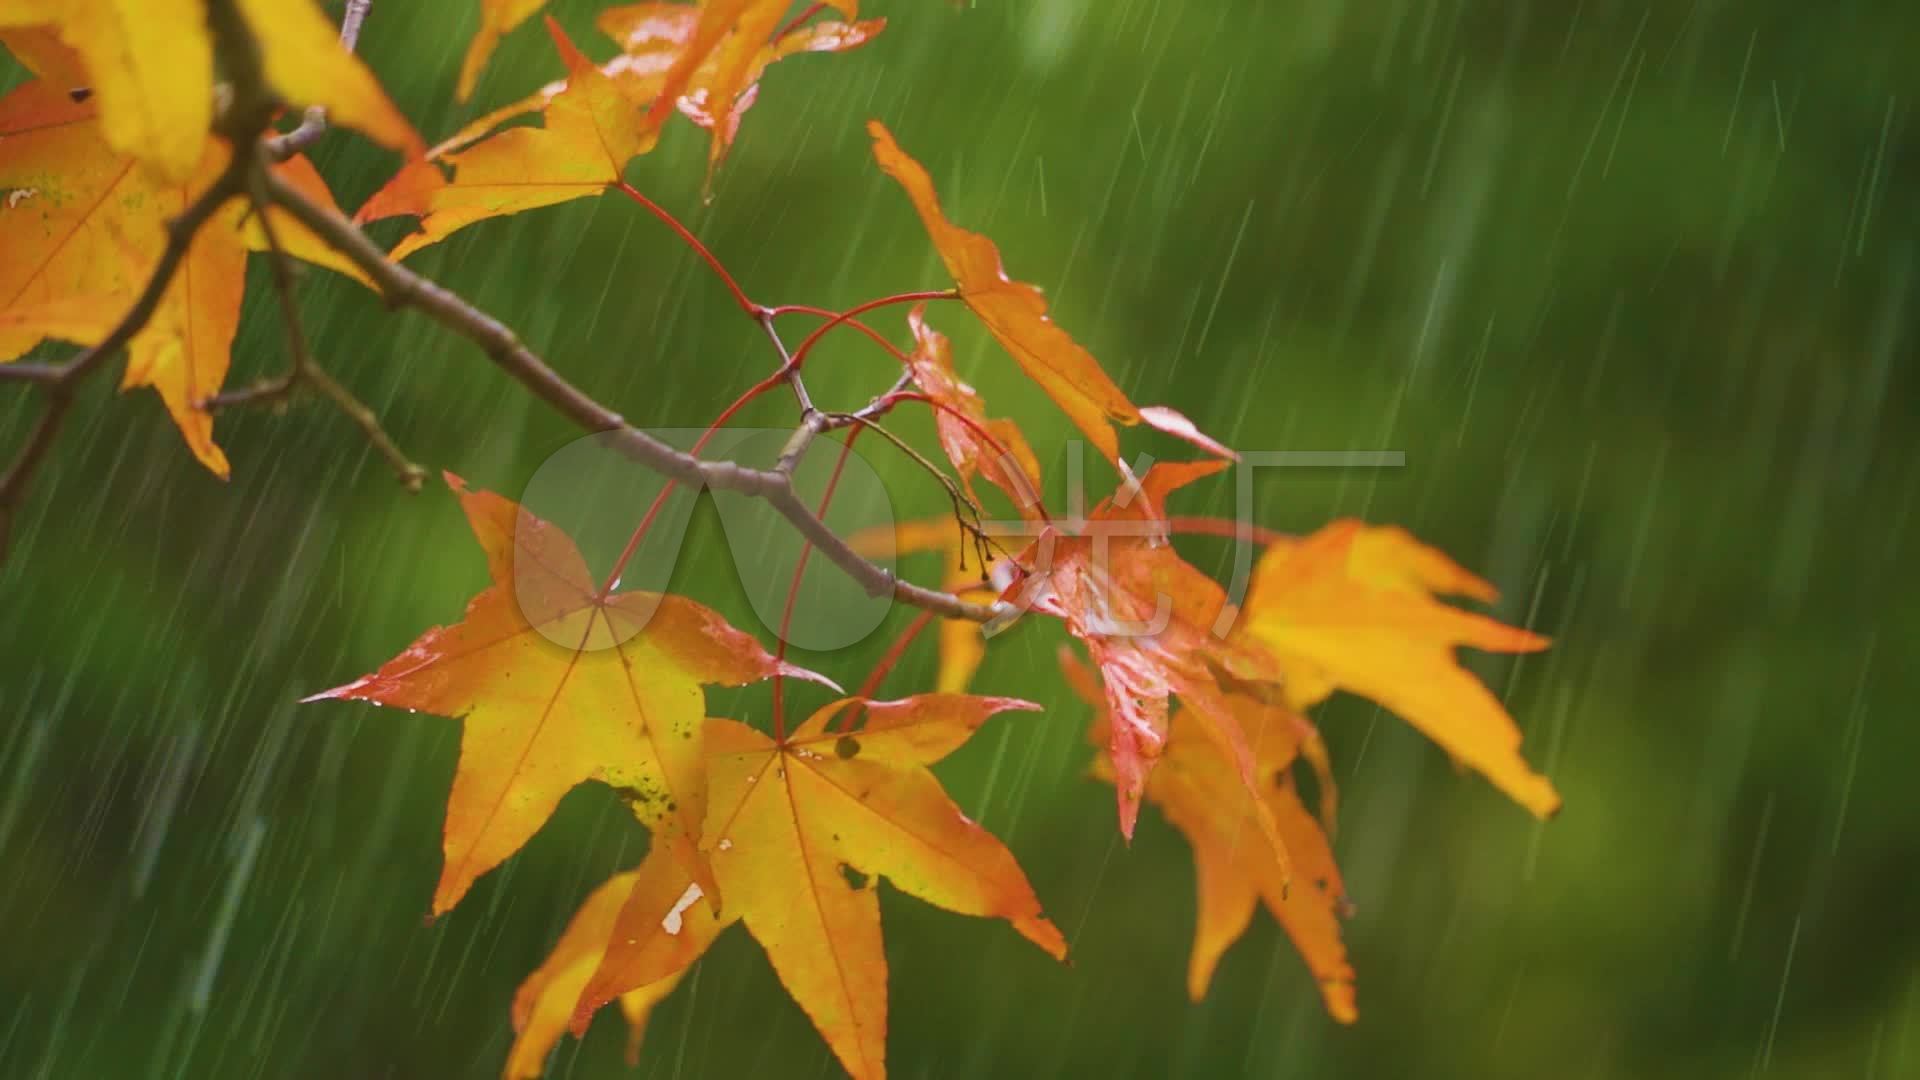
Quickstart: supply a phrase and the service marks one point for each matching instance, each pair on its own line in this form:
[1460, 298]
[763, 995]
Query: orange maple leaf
[544, 1004]
[497, 17]
[1147, 618]
[1197, 789]
[151, 65]
[1016, 314]
[589, 136]
[83, 225]
[725, 88]
[556, 684]
[798, 832]
[966, 433]
[1353, 608]
[654, 39]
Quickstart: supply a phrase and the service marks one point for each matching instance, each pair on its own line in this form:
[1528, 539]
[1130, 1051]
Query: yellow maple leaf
[150, 63]
[83, 226]
[1353, 608]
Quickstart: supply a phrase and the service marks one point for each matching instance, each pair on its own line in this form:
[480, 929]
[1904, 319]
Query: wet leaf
[1354, 608]
[975, 443]
[151, 67]
[655, 39]
[1197, 789]
[588, 137]
[497, 18]
[798, 832]
[544, 1004]
[555, 685]
[1016, 314]
[1150, 621]
[83, 226]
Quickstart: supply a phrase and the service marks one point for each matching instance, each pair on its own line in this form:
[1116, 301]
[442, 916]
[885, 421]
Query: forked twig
[302, 370]
[314, 123]
[404, 288]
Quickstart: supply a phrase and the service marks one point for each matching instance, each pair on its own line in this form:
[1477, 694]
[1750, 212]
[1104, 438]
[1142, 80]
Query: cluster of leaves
[113, 140]
[558, 678]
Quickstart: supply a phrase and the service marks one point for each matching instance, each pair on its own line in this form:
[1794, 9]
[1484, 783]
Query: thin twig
[954, 492]
[404, 288]
[412, 476]
[62, 381]
[967, 513]
[32, 373]
[314, 123]
[810, 428]
[880, 405]
[793, 590]
[302, 370]
[796, 381]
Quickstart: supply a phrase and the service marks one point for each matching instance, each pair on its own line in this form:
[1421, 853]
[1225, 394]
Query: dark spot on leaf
[846, 746]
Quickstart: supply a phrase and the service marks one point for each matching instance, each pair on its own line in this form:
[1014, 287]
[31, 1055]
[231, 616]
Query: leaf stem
[971, 424]
[653, 509]
[891, 658]
[807, 343]
[879, 339]
[793, 589]
[692, 241]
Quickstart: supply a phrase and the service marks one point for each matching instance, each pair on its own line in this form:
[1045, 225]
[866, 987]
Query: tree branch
[404, 288]
[31, 373]
[61, 381]
[314, 123]
[302, 370]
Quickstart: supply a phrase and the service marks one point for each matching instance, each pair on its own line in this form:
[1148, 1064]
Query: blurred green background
[1633, 286]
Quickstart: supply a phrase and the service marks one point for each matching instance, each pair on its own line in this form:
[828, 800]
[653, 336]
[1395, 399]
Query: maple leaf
[40, 50]
[654, 38]
[798, 832]
[544, 1005]
[1197, 789]
[555, 685]
[83, 226]
[718, 95]
[1147, 618]
[151, 66]
[1011, 466]
[1016, 314]
[588, 138]
[742, 56]
[1353, 608]
[497, 18]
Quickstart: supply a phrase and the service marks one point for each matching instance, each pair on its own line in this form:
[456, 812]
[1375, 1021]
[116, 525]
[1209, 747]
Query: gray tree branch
[404, 288]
